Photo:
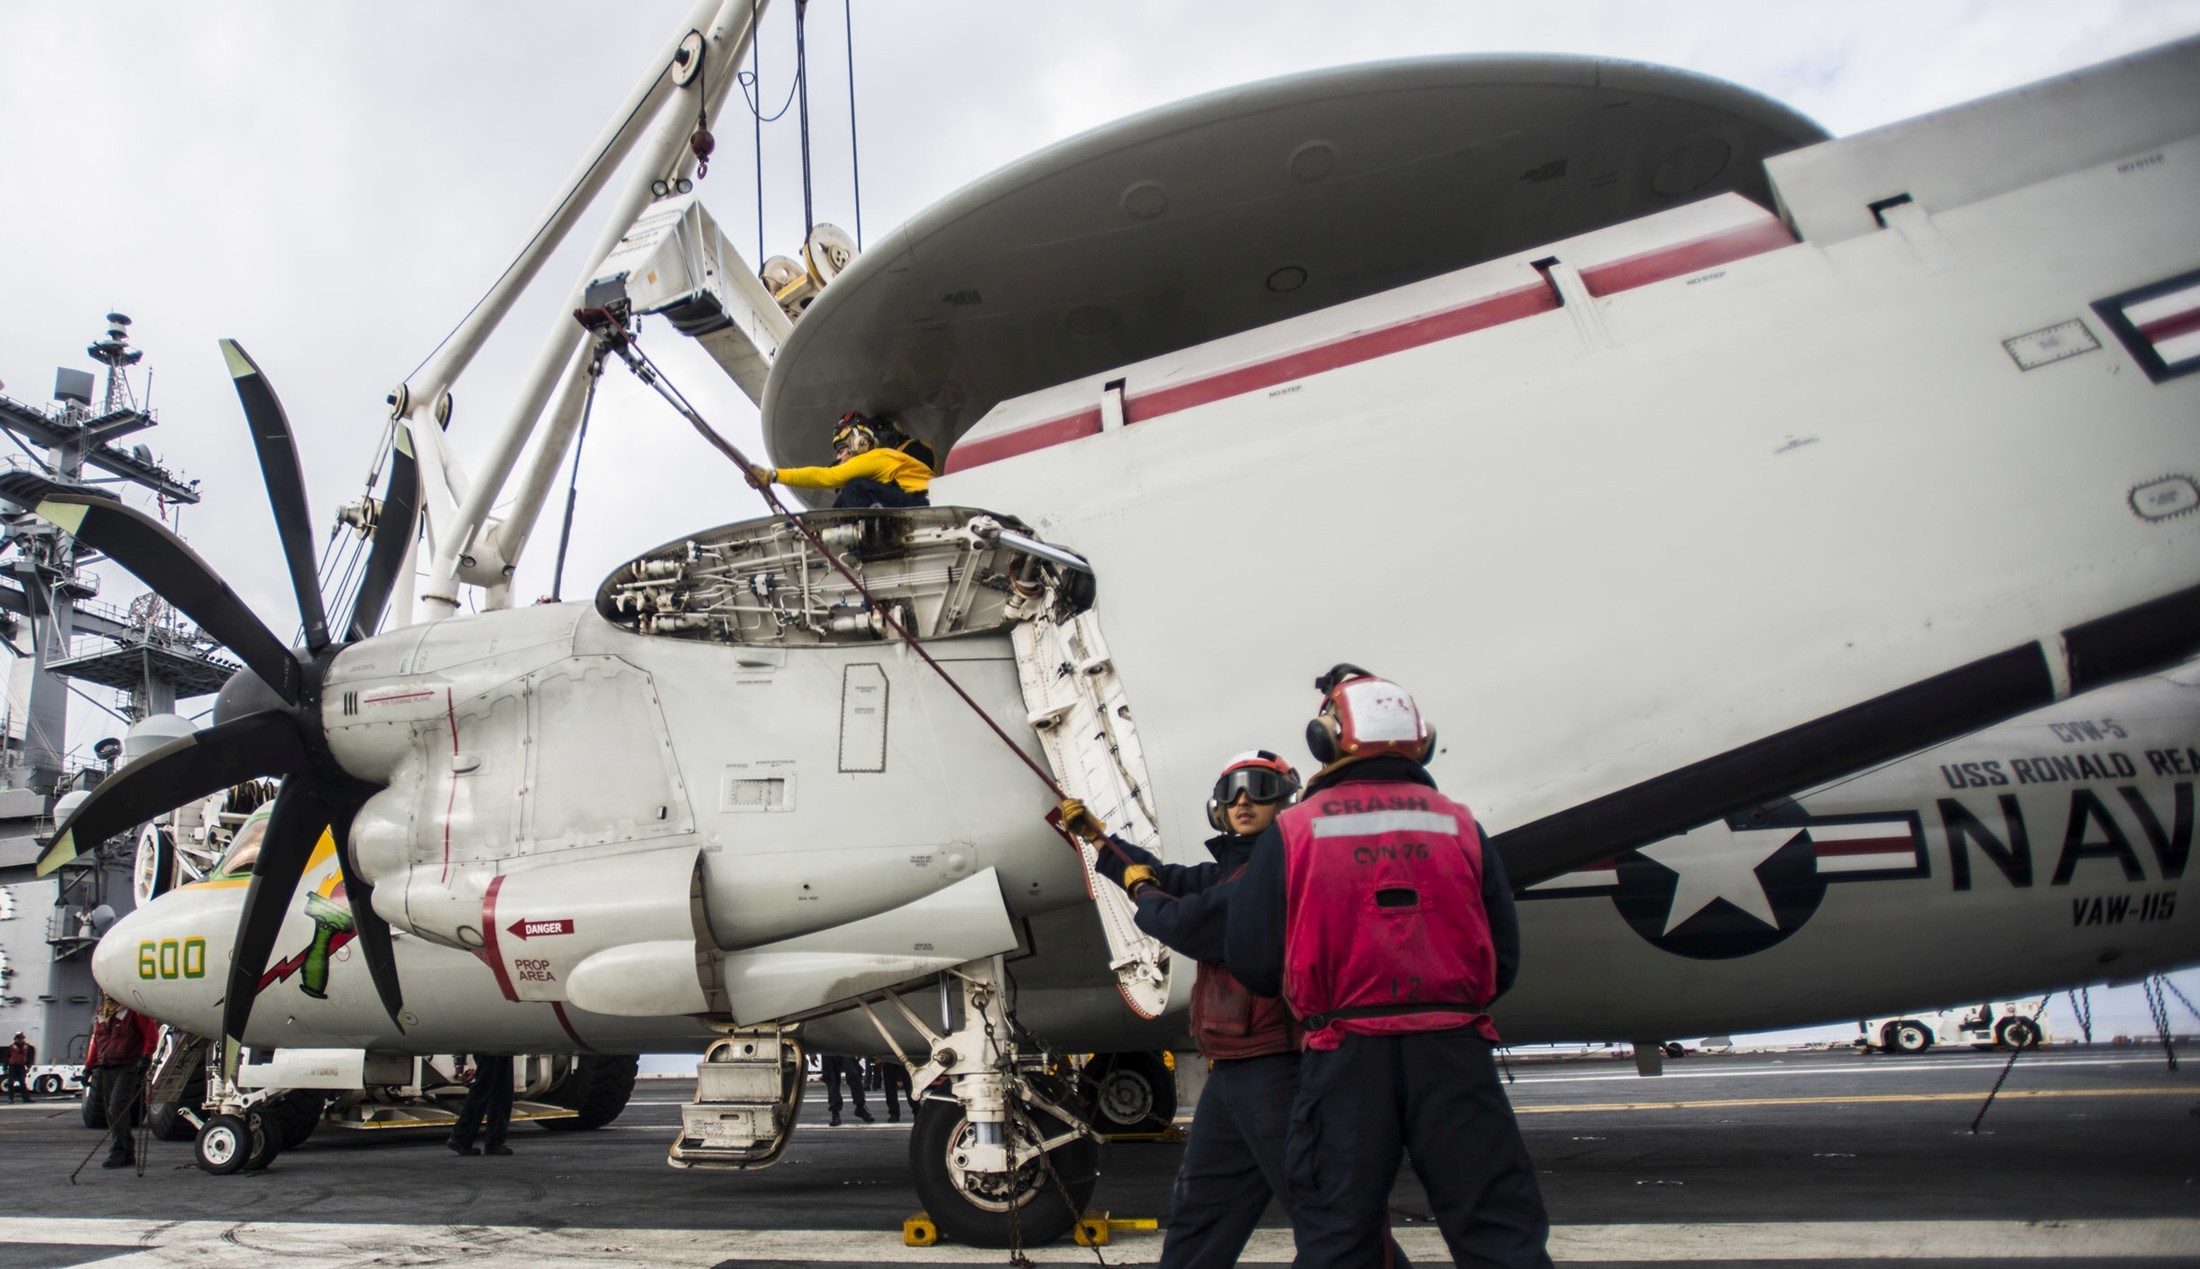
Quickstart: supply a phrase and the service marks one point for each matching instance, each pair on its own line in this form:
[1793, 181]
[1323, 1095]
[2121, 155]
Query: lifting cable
[755, 81]
[615, 338]
[855, 156]
[802, 92]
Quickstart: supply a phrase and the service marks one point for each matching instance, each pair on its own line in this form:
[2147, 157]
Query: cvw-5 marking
[172, 959]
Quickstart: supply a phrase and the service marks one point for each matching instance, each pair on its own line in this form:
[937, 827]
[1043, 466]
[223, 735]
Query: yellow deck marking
[1859, 1099]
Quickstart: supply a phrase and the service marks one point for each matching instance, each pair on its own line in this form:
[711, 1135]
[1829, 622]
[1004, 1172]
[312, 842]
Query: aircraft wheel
[1674, 1049]
[294, 1116]
[166, 1118]
[1909, 1037]
[266, 1140]
[2018, 1033]
[1131, 1092]
[223, 1145]
[47, 1084]
[597, 1088]
[95, 1098]
[975, 1208]
[166, 1122]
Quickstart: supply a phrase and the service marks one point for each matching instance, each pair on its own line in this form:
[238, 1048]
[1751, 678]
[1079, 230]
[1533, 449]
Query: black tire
[166, 1119]
[2017, 1033]
[294, 1116]
[1909, 1036]
[1041, 1215]
[1130, 1092]
[1674, 1049]
[95, 1098]
[596, 1089]
[223, 1145]
[267, 1140]
[46, 1085]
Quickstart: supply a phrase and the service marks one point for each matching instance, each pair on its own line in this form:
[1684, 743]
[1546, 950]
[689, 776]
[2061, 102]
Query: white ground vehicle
[2010, 1024]
[52, 1080]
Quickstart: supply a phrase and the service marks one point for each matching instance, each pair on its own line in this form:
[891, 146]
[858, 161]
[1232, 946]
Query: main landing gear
[998, 1156]
[998, 1153]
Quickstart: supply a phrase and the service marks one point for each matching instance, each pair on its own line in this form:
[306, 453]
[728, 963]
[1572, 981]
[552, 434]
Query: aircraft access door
[1078, 708]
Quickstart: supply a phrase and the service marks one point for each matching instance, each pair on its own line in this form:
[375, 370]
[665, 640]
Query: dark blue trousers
[1434, 1096]
[837, 1069]
[1234, 1162]
[865, 492]
[488, 1108]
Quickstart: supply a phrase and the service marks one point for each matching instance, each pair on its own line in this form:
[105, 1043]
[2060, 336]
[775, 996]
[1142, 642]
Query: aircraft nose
[157, 961]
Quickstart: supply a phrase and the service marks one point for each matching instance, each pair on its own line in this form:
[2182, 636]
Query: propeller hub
[246, 693]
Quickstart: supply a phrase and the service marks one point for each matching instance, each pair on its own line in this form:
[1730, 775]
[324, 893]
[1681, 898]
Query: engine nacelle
[620, 934]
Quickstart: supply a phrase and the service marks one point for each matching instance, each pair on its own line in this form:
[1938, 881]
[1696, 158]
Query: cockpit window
[244, 851]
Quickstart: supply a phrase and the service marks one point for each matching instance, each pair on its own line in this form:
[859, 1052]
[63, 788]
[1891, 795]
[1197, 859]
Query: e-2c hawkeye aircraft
[2046, 850]
[1675, 455]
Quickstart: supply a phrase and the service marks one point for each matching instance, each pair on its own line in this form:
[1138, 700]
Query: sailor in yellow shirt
[866, 473]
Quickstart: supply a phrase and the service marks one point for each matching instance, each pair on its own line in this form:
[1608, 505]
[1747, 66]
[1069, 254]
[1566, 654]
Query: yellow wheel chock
[1095, 1228]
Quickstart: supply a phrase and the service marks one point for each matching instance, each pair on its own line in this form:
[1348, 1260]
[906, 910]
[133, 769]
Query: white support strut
[664, 156]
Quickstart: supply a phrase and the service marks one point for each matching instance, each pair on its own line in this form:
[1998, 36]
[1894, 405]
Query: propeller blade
[286, 486]
[301, 813]
[164, 562]
[368, 927]
[393, 535]
[184, 769]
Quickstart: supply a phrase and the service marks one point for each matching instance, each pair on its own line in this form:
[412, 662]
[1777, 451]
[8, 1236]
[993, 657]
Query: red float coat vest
[1229, 1022]
[118, 1041]
[1383, 916]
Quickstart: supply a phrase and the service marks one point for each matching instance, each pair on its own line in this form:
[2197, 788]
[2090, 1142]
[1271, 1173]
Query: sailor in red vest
[1233, 1163]
[121, 1042]
[1375, 909]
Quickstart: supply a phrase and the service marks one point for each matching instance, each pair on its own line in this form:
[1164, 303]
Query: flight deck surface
[2088, 1157]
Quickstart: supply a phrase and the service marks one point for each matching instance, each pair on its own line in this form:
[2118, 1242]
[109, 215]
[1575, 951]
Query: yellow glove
[1079, 822]
[762, 477]
[1138, 875]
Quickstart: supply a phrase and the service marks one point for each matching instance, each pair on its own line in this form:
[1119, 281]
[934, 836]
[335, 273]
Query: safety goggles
[1260, 784]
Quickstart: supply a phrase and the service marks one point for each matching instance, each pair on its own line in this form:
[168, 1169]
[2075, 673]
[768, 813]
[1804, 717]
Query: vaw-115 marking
[1671, 471]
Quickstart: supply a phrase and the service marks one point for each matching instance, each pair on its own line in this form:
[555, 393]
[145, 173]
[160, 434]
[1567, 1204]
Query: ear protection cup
[1215, 820]
[1428, 747]
[1321, 740]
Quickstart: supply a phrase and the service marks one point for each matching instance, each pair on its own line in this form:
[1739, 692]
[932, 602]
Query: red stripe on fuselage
[1687, 257]
[1382, 341]
[1366, 345]
[1023, 440]
[489, 952]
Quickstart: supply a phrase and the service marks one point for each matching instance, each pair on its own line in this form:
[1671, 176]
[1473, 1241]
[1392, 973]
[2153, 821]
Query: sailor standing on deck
[1234, 1162]
[1375, 909]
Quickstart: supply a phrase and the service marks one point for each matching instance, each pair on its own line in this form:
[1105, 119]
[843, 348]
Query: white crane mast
[687, 79]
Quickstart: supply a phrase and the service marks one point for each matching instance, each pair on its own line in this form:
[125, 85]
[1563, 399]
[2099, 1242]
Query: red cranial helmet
[1258, 774]
[1363, 716]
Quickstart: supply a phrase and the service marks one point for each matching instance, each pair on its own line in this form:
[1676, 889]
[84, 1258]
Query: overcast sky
[335, 184]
